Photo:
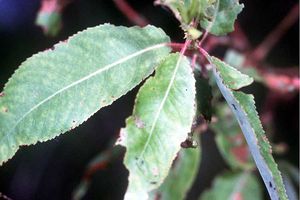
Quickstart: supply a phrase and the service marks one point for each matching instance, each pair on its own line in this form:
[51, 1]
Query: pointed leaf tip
[233, 78]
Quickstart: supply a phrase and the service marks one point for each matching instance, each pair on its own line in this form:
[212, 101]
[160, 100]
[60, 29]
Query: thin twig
[131, 14]
[175, 45]
[194, 59]
[2, 196]
[263, 49]
[240, 39]
[185, 46]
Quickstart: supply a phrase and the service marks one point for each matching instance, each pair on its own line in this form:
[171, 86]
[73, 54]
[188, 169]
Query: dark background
[52, 170]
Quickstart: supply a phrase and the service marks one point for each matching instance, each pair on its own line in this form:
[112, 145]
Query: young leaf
[162, 117]
[243, 106]
[220, 20]
[181, 176]
[57, 90]
[186, 10]
[234, 186]
[49, 17]
[50, 23]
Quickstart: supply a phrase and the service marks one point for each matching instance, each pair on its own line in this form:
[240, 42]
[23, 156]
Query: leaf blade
[243, 106]
[180, 177]
[73, 81]
[223, 17]
[150, 151]
[238, 185]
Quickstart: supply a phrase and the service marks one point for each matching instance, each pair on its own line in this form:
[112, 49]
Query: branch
[2, 196]
[100, 162]
[240, 39]
[132, 15]
[281, 80]
[263, 49]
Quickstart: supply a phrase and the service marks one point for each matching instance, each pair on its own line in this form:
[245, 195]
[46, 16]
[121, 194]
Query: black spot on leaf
[270, 184]
[233, 106]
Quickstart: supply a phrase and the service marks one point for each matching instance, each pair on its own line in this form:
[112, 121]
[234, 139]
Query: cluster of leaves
[215, 16]
[56, 90]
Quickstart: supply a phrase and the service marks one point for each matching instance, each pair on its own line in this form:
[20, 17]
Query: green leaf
[232, 78]
[181, 176]
[186, 10]
[243, 106]
[230, 140]
[193, 9]
[162, 117]
[173, 5]
[220, 20]
[236, 59]
[290, 176]
[57, 90]
[233, 186]
[51, 23]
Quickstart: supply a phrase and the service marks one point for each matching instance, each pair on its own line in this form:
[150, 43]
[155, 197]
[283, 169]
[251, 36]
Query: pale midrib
[161, 106]
[107, 67]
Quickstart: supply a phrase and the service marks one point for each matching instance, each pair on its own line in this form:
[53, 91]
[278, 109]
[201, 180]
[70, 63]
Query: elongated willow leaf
[181, 176]
[57, 90]
[243, 106]
[162, 117]
[234, 186]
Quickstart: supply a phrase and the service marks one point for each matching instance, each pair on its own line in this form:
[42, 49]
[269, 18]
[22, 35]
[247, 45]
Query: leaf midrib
[161, 106]
[97, 72]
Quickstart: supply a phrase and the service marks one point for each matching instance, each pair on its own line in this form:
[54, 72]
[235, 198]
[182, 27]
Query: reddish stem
[203, 38]
[93, 169]
[185, 46]
[263, 49]
[282, 81]
[176, 46]
[203, 52]
[131, 14]
[194, 59]
[240, 39]
[214, 41]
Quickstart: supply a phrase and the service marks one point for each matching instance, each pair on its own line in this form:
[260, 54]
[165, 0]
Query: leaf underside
[162, 117]
[56, 90]
[243, 106]
[234, 186]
